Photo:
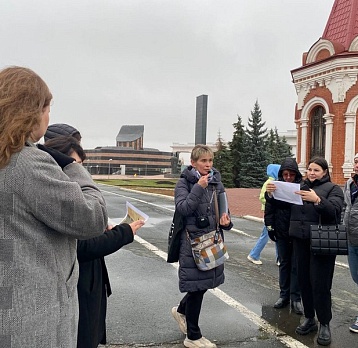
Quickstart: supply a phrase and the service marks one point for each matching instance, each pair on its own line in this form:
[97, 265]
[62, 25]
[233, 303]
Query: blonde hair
[199, 151]
[23, 97]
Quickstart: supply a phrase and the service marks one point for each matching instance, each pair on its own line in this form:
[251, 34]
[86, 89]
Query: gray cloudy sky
[114, 62]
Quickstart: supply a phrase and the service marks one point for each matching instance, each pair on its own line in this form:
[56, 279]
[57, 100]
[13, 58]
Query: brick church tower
[327, 90]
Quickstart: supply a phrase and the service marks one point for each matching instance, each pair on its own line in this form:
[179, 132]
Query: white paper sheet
[285, 191]
[133, 214]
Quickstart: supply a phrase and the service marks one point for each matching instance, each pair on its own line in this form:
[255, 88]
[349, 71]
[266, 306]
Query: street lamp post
[109, 166]
[146, 164]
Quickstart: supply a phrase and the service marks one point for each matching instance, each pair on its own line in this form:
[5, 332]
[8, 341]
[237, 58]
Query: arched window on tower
[318, 128]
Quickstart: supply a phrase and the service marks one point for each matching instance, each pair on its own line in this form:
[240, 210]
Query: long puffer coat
[191, 200]
[330, 208]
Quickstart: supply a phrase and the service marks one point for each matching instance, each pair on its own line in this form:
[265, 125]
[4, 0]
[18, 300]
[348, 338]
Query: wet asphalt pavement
[239, 314]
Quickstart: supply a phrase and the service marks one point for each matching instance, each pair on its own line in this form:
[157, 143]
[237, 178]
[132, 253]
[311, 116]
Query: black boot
[297, 307]
[324, 335]
[309, 325]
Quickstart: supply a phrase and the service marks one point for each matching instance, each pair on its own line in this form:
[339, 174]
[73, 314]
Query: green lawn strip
[154, 183]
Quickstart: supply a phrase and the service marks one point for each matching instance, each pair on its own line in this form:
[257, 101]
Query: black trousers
[315, 275]
[288, 281]
[190, 306]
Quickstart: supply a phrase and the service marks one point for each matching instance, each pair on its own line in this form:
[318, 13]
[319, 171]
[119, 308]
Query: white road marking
[138, 200]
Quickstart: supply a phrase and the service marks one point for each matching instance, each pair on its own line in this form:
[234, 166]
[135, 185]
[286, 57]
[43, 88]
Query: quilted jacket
[191, 200]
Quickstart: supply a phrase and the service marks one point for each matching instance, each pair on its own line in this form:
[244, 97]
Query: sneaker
[180, 318]
[354, 326]
[256, 262]
[200, 343]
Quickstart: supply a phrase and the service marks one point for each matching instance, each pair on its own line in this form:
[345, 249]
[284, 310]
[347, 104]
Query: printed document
[133, 214]
[285, 191]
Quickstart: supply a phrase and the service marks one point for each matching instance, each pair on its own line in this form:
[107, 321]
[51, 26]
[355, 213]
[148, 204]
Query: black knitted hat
[57, 129]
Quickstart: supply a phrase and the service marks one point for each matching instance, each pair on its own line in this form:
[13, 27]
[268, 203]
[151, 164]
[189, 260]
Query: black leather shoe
[309, 325]
[324, 335]
[281, 303]
[297, 307]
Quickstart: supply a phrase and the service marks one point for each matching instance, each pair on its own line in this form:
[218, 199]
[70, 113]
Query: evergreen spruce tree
[271, 147]
[236, 150]
[255, 157]
[223, 162]
[277, 147]
[284, 149]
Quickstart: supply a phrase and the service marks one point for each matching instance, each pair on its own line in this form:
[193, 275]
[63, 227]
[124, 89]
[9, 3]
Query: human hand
[270, 187]
[61, 159]
[309, 196]
[225, 220]
[203, 181]
[271, 233]
[136, 225]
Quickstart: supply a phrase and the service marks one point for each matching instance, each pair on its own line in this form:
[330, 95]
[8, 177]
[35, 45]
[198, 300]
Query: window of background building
[318, 128]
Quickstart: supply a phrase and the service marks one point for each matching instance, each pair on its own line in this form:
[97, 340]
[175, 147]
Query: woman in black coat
[194, 199]
[322, 200]
[277, 221]
[93, 285]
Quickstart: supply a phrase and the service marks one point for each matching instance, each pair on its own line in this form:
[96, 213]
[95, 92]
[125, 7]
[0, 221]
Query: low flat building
[128, 157]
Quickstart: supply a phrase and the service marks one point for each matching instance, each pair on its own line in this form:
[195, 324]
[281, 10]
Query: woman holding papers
[93, 284]
[194, 199]
[315, 272]
[277, 222]
[254, 254]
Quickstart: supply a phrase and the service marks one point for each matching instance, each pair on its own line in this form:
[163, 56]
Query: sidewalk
[244, 201]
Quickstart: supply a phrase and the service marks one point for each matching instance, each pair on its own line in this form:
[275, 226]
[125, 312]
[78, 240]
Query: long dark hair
[322, 163]
[66, 144]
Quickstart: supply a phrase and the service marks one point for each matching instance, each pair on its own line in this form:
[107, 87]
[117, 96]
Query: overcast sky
[110, 63]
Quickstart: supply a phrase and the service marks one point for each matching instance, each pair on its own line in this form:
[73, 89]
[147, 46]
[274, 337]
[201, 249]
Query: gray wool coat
[191, 200]
[350, 218]
[43, 210]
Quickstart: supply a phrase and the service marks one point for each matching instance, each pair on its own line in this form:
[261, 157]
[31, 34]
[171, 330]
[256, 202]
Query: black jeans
[315, 274]
[190, 306]
[288, 281]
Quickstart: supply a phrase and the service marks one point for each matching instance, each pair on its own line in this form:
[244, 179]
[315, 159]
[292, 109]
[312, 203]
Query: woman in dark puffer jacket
[194, 197]
[315, 272]
[277, 221]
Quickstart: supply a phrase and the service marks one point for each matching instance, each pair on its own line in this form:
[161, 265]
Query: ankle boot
[309, 325]
[324, 335]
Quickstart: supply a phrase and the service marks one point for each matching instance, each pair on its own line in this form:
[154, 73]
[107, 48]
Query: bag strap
[335, 217]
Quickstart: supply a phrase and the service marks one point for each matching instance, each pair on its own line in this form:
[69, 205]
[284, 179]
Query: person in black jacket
[93, 284]
[277, 221]
[323, 200]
